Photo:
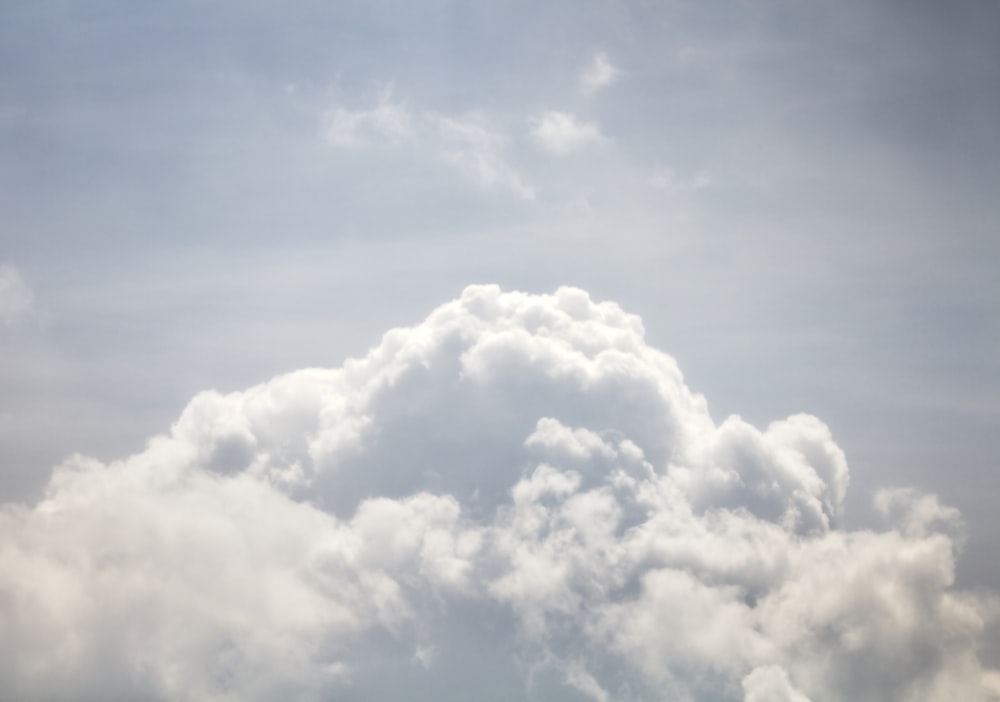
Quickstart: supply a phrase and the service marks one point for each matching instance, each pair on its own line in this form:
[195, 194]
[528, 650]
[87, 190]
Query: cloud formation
[598, 74]
[475, 148]
[561, 133]
[386, 121]
[469, 143]
[517, 498]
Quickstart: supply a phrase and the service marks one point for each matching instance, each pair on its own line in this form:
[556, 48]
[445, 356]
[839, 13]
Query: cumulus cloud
[598, 74]
[517, 498]
[16, 297]
[386, 121]
[561, 133]
[475, 148]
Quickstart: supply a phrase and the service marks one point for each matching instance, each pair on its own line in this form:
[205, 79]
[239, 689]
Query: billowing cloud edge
[519, 494]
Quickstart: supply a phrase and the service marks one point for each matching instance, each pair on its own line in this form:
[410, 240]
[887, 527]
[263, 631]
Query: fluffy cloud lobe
[560, 133]
[517, 498]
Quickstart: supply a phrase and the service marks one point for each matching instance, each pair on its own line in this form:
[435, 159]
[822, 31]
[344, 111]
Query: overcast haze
[771, 369]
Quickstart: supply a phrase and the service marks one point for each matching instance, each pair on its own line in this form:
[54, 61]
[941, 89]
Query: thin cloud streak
[476, 149]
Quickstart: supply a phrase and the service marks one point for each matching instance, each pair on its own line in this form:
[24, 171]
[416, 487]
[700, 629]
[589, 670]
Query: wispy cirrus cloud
[470, 142]
[385, 121]
[476, 149]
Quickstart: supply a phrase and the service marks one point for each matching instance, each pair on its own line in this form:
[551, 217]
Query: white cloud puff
[386, 121]
[16, 297]
[517, 498]
[561, 133]
[598, 74]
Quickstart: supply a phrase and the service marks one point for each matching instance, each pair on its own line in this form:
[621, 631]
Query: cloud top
[517, 496]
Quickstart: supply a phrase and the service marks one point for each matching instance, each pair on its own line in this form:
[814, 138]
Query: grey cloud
[518, 493]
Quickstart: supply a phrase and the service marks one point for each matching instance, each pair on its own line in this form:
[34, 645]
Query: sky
[551, 350]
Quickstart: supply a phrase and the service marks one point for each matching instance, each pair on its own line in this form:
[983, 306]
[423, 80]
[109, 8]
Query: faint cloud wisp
[386, 121]
[16, 297]
[598, 74]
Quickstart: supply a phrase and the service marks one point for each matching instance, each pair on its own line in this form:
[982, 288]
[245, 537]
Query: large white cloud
[517, 498]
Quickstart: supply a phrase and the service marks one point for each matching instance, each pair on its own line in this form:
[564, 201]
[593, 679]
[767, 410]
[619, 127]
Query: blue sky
[798, 200]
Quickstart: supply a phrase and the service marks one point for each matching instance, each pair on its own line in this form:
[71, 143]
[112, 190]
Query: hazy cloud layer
[517, 498]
